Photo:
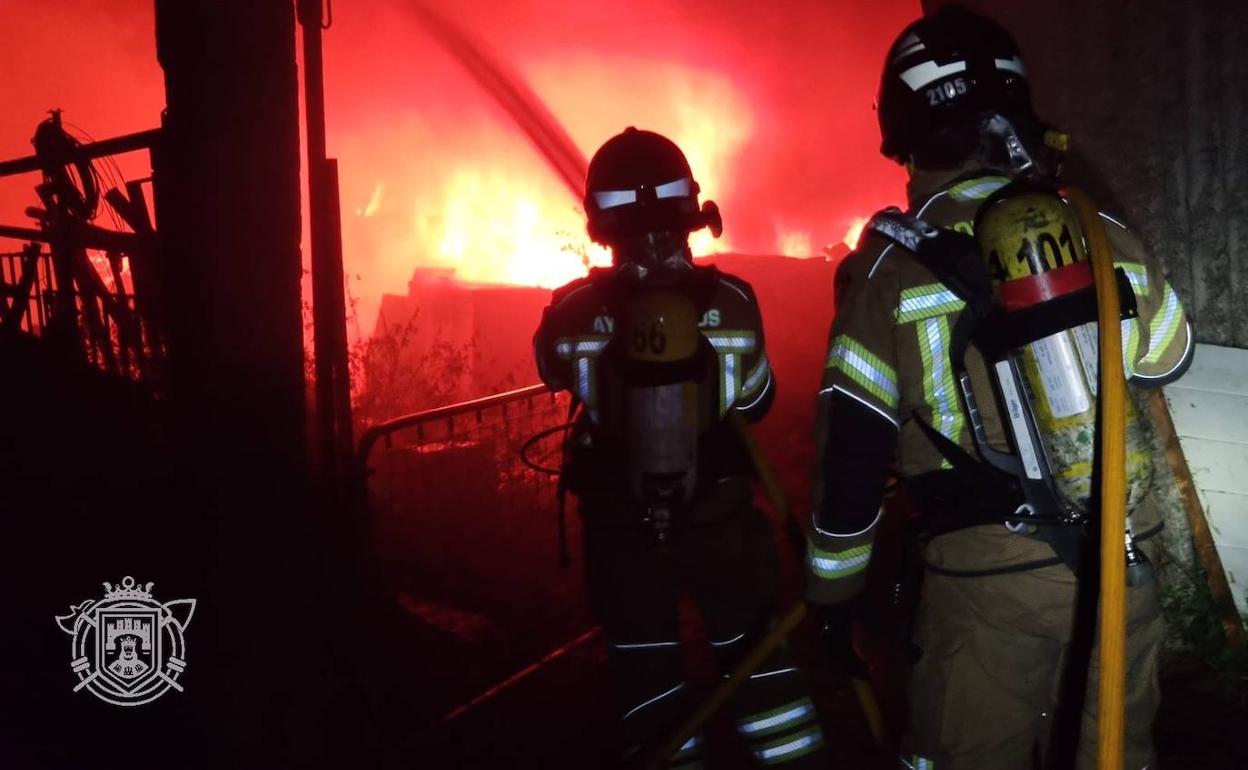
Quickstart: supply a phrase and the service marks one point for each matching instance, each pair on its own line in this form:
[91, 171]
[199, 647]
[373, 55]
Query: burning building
[405, 598]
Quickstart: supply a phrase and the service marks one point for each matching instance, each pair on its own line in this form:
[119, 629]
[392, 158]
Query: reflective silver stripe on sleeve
[731, 342]
[827, 565]
[795, 714]
[569, 347]
[730, 379]
[1164, 326]
[655, 699]
[977, 188]
[765, 674]
[939, 386]
[852, 358]
[643, 645]
[583, 381]
[774, 753]
[914, 306]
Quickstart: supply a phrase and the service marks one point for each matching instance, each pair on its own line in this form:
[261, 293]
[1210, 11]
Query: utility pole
[333, 439]
[228, 210]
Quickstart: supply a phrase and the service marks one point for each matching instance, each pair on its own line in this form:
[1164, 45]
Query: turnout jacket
[888, 367]
[581, 319]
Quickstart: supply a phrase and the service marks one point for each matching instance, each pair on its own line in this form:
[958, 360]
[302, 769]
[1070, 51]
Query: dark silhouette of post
[228, 215]
[332, 407]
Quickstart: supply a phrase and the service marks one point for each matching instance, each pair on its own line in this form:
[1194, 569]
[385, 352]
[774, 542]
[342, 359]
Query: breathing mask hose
[1113, 395]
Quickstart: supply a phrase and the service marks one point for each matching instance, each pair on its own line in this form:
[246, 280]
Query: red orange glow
[771, 105]
[854, 234]
[499, 217]
[770, 101]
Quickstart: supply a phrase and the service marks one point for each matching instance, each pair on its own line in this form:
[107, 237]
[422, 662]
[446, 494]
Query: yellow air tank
[660, 401]
[1035, 252]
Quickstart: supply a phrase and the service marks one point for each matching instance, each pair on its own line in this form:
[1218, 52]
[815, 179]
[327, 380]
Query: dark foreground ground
[468, 540]
[478, 596]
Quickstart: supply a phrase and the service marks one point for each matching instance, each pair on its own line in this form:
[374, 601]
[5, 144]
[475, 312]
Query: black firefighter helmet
[946, 76]
[641, 200]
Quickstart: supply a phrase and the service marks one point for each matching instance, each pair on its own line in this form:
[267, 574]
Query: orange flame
[496, 228]
[495, 214]
[854, 234]
[794, 243]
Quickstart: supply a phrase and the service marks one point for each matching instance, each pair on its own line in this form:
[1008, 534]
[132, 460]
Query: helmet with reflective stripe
[639, 189]
[943, 75]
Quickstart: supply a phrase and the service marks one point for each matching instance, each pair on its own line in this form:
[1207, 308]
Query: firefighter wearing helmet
[964, 355]
[657, 352]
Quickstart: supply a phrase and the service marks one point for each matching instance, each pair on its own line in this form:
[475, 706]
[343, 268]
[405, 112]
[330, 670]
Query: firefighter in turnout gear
[657, 351]
[935, 330]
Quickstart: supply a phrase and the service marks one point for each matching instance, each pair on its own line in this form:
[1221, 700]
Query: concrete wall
[1210, 409]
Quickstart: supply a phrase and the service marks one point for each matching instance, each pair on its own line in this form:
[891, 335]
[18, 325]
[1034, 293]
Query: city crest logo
[128, 648]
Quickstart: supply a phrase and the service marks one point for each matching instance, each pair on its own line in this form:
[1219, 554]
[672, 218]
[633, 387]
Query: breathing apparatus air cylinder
[1032, 244]
[657, 402]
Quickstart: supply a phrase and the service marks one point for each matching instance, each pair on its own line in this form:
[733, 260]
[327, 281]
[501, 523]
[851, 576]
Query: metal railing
[101, 317]
[442, 420]
[466, 536]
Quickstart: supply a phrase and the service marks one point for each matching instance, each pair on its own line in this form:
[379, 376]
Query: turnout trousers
[726, 559]
[993, 652]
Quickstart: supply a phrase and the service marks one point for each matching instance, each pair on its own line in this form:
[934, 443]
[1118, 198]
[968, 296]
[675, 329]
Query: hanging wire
[107, 173]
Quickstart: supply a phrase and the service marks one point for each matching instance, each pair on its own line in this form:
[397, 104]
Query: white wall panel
[1210, 409]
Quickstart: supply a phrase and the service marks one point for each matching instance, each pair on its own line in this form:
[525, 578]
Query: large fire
[438, 175]
[771, 102]
[497, 216]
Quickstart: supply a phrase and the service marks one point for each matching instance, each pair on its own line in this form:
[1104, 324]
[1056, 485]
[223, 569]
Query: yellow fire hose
[672, 742]
[1113, 625]
[663, 752]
